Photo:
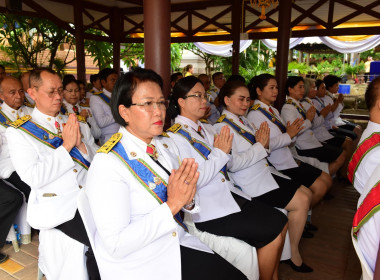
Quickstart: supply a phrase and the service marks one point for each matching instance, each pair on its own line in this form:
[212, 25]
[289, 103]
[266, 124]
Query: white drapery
[222, 49]
[338, 45]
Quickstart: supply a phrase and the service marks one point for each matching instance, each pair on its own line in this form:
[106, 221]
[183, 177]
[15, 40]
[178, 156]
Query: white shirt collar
[46, 120]
[10, 111]
[137, 141]
[189, 122]
[106, 92]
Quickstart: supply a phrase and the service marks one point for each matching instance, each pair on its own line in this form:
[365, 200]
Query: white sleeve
[290, 114]
[102, 118]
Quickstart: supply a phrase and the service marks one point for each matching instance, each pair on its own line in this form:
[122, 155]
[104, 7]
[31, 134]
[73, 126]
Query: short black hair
[372, 93]
[104, 73]
[126, 86]
[318, 83]
[67, 79]
[35, 76]
[2, 67]
[215, 75]
[175, 76]
[291, 82]
[94, 78]
[236, 77]
[260, 81]
[180, 90]
[331, 80]
[229, 89]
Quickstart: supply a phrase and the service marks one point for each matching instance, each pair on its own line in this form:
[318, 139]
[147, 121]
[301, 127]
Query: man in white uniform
[100, 105]
[52, 152]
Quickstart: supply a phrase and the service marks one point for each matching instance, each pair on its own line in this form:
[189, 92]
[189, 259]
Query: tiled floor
[330, 252]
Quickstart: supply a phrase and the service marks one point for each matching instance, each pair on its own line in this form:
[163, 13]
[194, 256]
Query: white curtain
[338, 45]
[222, 49]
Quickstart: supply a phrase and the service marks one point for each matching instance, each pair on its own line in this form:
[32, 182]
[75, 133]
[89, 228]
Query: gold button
[174, 234]
[133, 154]
[266, 164]
[49, 119]
[166, 146]
[223, 180]
[21, 110]
[13, 111]
[60, 117]
[186, 126]
[75, 171]
[80, 186]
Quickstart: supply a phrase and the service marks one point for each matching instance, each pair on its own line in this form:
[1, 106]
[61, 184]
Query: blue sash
[311, 103]
[245, 134]
[105, 98]
[63, 110]
[4, 120]
[149, 179]
[272, 118]
[201, 148]
[52, 140]
[299, 109]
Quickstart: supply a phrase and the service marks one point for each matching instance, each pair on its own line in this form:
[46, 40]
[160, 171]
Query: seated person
[100, 104]
[139, 231]
[96, 85]
[306, 143]
[222, 203]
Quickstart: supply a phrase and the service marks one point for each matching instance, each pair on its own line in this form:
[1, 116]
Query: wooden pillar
[79, 40]
[157, 39]
[236, 22]
[117, 28]
[284, 30]
[300, 54]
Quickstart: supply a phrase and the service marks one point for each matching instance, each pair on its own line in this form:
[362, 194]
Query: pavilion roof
[191, 18]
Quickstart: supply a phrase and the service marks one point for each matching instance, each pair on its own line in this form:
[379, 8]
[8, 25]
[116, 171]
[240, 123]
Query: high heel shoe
[302, 268]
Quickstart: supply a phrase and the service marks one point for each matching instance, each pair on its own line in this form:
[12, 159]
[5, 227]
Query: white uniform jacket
[319, 104]
[54, 177]
[369, 234]
[214, 189]
[138, 235]
[280, 156]
[255, 179]
[95, 130]
[318, 124]
[6, 166]
[103, 116]
[305, 138]
[336, 120]
[370, 161]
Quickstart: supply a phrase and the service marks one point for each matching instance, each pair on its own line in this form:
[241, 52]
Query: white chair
[367, 273]
[24, 227]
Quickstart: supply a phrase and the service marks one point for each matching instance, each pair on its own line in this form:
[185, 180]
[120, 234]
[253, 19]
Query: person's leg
[297, 209]
[205, 266]
[16, 181]
[10, 202]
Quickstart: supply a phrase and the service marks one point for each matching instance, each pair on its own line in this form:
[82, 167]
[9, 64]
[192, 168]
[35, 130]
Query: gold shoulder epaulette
[107, 147]
[81, 119]
[174, 128]
[27, 104]
[82, 104]
[98, 92]
[20, 121]
[92, 91]
[203, 121]
[221, 118]
[164, 134]
[255, 107]
[289, 101]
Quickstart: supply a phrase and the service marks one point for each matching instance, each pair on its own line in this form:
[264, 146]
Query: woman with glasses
[136, 187]
[71, 105]
[225, 209]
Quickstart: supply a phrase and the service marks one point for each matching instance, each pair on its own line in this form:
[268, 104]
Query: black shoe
[302, 268]
[3, 258]
[307, 234]
[309, 226]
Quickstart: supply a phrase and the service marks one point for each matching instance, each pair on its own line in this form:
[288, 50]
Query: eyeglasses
[149, 106]
[53, 92]
[198, 96]
[72, 90]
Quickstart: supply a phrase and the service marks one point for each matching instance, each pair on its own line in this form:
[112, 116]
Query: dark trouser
[198, 265]
[76, 230]
[16, 181]
[10, 203]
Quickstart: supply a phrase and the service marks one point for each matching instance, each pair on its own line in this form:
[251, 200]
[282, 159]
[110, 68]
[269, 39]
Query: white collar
[107, 93]
[137, 141]
[189, 122]
[9, 110]
[46, 120]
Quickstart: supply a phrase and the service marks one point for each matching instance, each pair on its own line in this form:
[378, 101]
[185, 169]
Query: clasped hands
[72, 136]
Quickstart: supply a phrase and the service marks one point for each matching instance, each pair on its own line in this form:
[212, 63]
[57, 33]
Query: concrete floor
[330, 253]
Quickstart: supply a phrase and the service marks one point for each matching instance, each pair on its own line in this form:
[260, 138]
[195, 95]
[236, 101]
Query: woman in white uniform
[260, 180]
[306, 143]
[225, 209]
[136, 189]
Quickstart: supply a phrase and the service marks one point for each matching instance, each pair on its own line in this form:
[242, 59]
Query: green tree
[100, 52]
[25, 41]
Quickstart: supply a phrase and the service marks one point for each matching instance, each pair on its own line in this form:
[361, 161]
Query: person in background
[213, 111]
[100, 104]
[188, 70]
[367, 66]
[174, 78]
[96, 85]
[25, 85]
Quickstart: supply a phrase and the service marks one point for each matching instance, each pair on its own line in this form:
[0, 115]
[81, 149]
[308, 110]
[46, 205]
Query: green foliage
[371, 52]
[356, 69]
[24, 41]
[301, 68]
[101, 52]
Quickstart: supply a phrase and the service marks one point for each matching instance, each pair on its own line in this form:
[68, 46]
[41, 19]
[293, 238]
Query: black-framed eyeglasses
[198, 96]
[149, 106]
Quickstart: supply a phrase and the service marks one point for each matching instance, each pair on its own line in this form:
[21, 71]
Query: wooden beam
[97, 23]
[359, 10]
[309, 13]
[212, 20]
[256, 22]
[79, 40]
[201, 39]
[236, 23]
[330, 16]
